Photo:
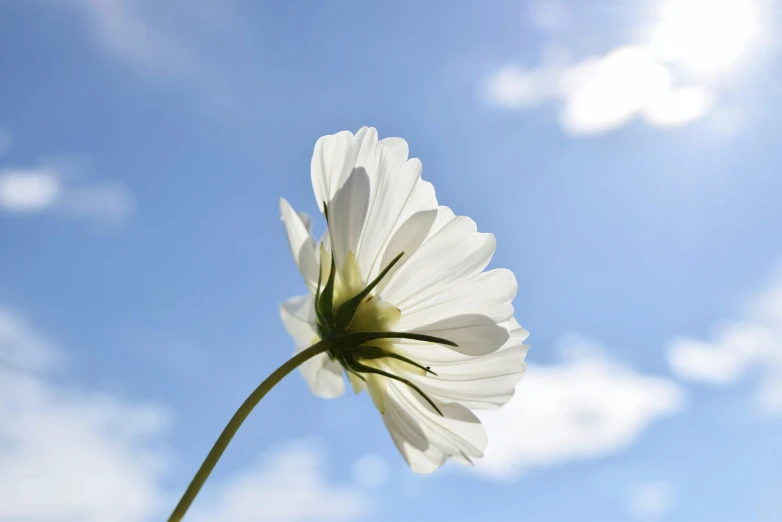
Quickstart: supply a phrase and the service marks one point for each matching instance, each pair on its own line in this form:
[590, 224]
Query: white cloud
[287, 486]
[21, 347]
[706, 37]
[67, 454]
[752, 343]
[370, 471]
[671, 75]
[71, 454]
[678, 107]
[30, 190]
[605, 93]
[586, 407]
[651, 500]
[44, 189]
[600, 94]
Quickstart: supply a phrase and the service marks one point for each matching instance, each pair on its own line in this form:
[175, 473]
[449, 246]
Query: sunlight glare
[707, 37]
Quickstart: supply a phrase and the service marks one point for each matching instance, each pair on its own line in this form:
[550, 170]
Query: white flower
[379, 209]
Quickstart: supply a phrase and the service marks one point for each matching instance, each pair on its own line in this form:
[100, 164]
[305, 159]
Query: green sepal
[359, 367]
[325, 303]
[352, 340]
[318, 315]
[326, 300]
[376, 352]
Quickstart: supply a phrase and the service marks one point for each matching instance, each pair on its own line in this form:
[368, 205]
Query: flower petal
[473, 334]
[302, 244]
[483, 382]
[411, 441]
[489, 294]
[454, 253]
[394, 181]
[457, 433]
[407, 239]
[298, 317]
[332, 162]
[347, 213]
[323, 375]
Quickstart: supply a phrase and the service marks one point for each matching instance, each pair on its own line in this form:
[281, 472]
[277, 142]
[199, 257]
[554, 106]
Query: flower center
[361, 326]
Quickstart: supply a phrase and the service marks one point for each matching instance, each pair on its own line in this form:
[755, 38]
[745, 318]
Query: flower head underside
[400, 283]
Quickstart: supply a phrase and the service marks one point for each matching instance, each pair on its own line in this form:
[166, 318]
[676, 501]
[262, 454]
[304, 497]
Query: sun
[707, 38]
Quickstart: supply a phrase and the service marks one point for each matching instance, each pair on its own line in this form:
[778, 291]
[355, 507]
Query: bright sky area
[624, 153]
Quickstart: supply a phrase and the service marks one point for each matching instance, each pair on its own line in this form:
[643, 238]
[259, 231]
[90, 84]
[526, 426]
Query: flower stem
[237, 420]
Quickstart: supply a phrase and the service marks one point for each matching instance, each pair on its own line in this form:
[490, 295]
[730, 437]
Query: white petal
[332, 163]
[489, 294]
[366, 148]
[347, 213]
[454, 253]
[407, 239]
[435, 354]
[323, 375]
[306, 220]
[394, 179]
[473, 334]
[444, 216]
[298, 317]
[457, 433]
[484, 382]
[411, 441]
[302, 245]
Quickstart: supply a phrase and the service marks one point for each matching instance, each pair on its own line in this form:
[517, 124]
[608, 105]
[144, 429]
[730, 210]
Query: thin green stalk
[236, 421]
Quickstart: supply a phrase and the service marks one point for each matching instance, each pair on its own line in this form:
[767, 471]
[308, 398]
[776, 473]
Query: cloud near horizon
[585, 407]
[749, 345]
[73, 454]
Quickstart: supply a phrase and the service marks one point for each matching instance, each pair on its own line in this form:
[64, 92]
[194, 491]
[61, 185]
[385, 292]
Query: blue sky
[625, 155]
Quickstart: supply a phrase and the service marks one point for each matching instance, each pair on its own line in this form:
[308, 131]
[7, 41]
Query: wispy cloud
[288, 485]
[370, 471]
[69, 454]
[671, 74]
[170, 42]
[586, 407]
[21, 347]
[751, 344]
[75, 454]
[651, 500]
[128, 30]
[44, 189]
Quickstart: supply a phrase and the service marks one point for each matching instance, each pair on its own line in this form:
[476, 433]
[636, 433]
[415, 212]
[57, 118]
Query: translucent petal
[454, 253]
[489, 294]
[332, 162]
[302, 244]
[347, 213]
[415, 424]
[323, 375]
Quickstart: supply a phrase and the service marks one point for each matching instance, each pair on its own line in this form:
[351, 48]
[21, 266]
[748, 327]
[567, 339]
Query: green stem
[237, 420]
